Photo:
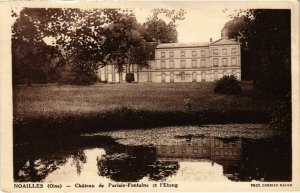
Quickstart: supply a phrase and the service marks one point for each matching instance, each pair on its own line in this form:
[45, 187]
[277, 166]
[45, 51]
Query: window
[202, 53]
[182, 76]
[162, 54]
[163, 64]
[217, 143]
[172, 79]
[171, 64]
[216, 76]
[224, 61]
[195, 150]
[171, 54]
[163, 77]
[226, 152]
[216, 52]
[182, 63]
[157, 65]
[194, 76]
[224, 51]
[182, 53]
[164, 150]
[233, 50]
[203, 62]
[194, 63]
[233, 61]
[183, 150]
[216, 61]
[203, 77]
[194, 53]
[172, 150]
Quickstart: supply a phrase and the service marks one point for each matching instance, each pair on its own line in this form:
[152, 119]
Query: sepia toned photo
[151, 97]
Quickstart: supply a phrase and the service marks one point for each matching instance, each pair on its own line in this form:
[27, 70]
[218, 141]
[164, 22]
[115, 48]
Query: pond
[171, 154]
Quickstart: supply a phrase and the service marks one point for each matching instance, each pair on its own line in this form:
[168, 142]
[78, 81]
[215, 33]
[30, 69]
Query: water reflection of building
[225, 152]
[207, 148]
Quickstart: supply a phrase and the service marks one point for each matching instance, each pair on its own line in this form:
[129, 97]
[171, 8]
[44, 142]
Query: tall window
[172, 77]
[163, 64]
[194, 63]
[216, 75]
[158, 65]
[233, 50]
[171, 54]
[233, 61]
[194, 77]
[194, 53]
[216, 61]
[182, 63]
[182, 76]
[203, 63]
[224, 61]
[203, 77]
[224, 51]
[171, 64]
[182, 53]
[203, 53]
[216, 51]
[163, 77]
[162, 54]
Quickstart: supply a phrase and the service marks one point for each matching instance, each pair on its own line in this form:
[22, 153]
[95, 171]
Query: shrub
[228, 85]
[281, 114]
[129, 77]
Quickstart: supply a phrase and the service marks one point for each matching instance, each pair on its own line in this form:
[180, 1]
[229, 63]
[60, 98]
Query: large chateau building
[185, 62]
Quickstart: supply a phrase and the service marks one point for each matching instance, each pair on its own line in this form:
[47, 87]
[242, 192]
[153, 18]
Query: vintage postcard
[171, 96]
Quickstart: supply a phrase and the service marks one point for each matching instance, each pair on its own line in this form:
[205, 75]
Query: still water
[187, 158]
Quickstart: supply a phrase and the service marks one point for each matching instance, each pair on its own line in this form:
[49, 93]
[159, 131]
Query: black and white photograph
[153, 97]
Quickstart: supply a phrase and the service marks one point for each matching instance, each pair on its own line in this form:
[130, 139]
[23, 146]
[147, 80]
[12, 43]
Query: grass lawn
[55, 101]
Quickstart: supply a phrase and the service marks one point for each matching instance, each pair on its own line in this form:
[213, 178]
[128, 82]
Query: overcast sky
[198, 26]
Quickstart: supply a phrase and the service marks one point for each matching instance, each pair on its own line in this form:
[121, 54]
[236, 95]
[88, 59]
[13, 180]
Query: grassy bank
[56, 101]
[52, 110]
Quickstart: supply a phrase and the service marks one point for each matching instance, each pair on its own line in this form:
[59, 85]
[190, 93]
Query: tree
[76, 33]
[266, 48]
[33, 60]
[158, 30]
[122, 38]
[83, 40]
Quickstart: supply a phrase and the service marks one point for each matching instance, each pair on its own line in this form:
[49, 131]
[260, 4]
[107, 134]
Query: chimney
[210, 39]
[224, 33]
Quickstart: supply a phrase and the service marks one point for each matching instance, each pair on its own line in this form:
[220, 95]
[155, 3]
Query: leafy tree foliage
[228, 85]
[82, 40]
[266, 48]
[158, 30]
[33, 60]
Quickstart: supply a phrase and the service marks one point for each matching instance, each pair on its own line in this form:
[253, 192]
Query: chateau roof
[183, 45]
[222, 41]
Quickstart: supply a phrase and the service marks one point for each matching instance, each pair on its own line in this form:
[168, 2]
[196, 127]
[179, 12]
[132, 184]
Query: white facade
[188, 62]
